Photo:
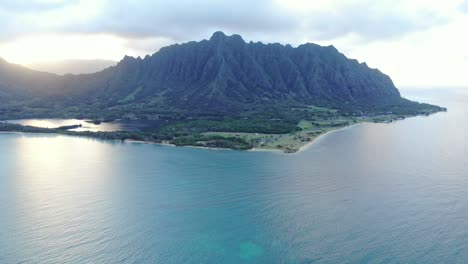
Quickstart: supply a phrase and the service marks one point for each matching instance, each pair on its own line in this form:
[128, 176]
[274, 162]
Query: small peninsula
[179, 135]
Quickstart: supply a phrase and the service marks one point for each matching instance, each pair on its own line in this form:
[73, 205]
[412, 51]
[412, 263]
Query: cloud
[183, 19]
[187, 19]
[26, 18]
[371, 20]
[464, 7]
[34, 5]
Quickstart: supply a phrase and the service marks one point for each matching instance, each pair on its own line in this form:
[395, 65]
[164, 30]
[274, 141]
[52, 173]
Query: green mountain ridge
[222, 76]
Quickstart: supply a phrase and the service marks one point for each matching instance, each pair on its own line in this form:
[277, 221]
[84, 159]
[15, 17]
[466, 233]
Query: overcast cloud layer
[394, 36]
[464, 7]
[186, 19]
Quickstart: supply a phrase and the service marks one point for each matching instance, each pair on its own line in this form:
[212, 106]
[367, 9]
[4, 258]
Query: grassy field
[291, 142]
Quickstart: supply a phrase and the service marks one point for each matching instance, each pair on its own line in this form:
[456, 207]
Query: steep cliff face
[226, 73]
[222, 74]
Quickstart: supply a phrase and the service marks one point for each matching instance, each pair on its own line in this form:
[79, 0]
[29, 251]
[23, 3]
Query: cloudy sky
[416, 42]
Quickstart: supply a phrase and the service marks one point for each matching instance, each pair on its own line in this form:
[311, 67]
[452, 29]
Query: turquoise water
[373, 193]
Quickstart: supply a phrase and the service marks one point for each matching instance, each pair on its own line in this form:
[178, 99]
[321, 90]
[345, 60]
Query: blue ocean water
[372, 193]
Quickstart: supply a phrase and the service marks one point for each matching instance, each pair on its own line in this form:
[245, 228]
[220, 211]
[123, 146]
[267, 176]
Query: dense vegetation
[7, 127]
[212, 142]
[233, 125]
[189, 140]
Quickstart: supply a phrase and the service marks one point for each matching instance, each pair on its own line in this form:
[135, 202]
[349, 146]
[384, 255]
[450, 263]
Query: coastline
[295, 147]
[153, 143]
[310, 144]
[173, 145]
[256, 149]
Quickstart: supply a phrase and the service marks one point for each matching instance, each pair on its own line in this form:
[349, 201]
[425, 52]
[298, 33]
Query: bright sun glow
[53, 47]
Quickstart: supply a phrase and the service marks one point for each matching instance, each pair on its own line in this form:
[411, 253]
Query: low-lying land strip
[286, 134]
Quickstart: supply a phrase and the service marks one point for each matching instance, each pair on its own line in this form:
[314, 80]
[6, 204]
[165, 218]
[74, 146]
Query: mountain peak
[126, 58]
[218, 35]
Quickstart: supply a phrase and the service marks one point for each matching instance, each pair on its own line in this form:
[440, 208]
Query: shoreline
[148, 142]
[311, 143]
[175, 146]
[255, 149]
[301, 148]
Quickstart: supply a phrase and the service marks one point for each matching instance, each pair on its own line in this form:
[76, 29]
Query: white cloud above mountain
[368, 30]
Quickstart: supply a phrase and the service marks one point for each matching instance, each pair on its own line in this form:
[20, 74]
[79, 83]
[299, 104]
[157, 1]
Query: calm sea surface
[373, 193]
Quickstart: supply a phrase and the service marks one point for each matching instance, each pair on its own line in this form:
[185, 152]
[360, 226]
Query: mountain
[63, 67]
[220, 76]
[20, 83]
